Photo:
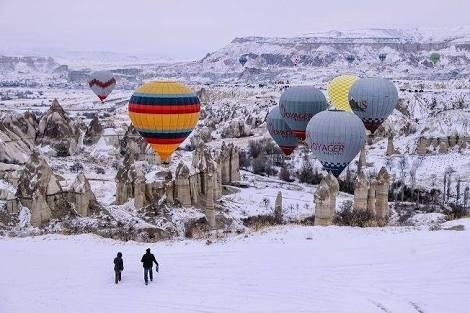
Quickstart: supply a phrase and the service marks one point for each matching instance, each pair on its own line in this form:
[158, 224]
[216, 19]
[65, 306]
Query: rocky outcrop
[182, 185]
[390, 148]
[333, 184]
[198, 184]
[57, 129]
[236, 129]
[381, 194]
[93, 132]
[278, 208]
[361, 186]
[228, 162]
[325, 200]
[371, 196]
[47, 196]
[361, 163]
[440, 145]
[322, 204]
[134, 144]
[17, 137]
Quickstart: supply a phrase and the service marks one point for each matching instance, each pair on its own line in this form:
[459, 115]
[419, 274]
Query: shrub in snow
[349, 217]
[76, 167]
[307, 174]
[284, 174]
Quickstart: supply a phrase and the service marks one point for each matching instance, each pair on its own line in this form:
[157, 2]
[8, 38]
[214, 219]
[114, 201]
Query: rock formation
[371, 196]
[182, 185]
[381, 194]
[361, 186]
[133, 143]
[362, 159]
[236, 129]
[440, 144]
[17, 137]
[198, 184]
[93, 132]
[46, 195]
[390, 148]
[228, 161]
[334, 188]
[57, 129]
[322, 204]
[278, 207]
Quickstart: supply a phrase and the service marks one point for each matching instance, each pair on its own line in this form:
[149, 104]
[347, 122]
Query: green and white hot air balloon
[335, 138]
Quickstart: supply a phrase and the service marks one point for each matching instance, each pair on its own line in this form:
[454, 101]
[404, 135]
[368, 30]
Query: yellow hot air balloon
[164, 113]
[338, 90]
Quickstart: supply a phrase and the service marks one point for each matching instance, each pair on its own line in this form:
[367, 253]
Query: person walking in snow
[147, 261]
[118, 267]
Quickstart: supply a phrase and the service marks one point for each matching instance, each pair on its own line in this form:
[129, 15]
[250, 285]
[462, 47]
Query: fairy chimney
[371, 196]
[278, 207]
[361, 187]
[381, 194]
[334, 188]
[323, 216]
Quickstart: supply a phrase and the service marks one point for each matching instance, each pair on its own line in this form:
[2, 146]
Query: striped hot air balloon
[280, 131]
[164, 113]
[298, 105]
[102, 83]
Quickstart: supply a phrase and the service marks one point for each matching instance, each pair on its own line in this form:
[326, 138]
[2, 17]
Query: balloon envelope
[280, 131]
[243, 59]
[373, 100]
[435, 57]
[338, 91]
[298, 105]
[102, 83]
[350, 58]
[335, 138]
[164, 113]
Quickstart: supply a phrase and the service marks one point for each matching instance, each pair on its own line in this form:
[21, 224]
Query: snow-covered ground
[285, 269]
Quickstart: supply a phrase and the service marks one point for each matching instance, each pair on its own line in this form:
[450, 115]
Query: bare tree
[402, 165]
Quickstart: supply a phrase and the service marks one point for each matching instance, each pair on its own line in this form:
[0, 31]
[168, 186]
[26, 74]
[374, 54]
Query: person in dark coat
[147, 261]
[118, 267]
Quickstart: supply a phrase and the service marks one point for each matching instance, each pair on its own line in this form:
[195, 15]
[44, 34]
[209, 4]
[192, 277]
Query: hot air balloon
[335, 138]
[243, 59]
[102, 83]
[298, 105]
[382, 57]
[338, 91]
[350, 58]
[280, 131]
[373, 100]
[164, 113]
[435, 57]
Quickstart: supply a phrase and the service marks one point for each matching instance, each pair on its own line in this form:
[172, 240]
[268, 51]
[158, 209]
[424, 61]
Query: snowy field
[286, 269]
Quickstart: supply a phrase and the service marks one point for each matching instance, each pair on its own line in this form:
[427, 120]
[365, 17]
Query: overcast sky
[191, 28]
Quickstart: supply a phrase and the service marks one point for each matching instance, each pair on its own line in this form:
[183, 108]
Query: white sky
[191, 28]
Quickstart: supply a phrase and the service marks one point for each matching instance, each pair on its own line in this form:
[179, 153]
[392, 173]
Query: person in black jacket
[147, 261]
[118, 267]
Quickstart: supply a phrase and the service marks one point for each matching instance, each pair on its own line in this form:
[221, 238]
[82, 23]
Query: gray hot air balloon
[335, 137]
[280, 131]
[298, 105]
[373, 100]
